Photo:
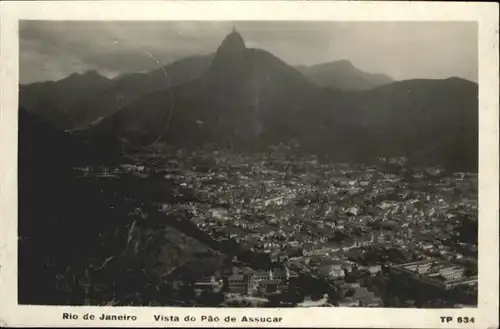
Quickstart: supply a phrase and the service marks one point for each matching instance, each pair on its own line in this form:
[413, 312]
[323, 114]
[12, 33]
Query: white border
[486, 315]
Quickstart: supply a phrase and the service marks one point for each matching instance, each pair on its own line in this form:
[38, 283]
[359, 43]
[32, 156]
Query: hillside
[87, 230]
[344, 75]
[131, 86]
[250, 97]
[433, 121]
[83, 99]
[57, 101]
[244, 92]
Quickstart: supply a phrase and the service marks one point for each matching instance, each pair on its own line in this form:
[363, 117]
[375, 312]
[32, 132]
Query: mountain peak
[229, 58]
[232, 43]
[90, 74]
[344, 61]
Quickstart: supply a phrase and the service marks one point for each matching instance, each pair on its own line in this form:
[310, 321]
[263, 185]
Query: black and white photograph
[259, 164]
[248, 164]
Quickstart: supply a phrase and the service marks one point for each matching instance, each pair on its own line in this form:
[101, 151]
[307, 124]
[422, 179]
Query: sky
[52, 50]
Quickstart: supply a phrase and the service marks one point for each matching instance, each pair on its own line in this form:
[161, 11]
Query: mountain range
[82, 99]
[243, 97]
[64, 103]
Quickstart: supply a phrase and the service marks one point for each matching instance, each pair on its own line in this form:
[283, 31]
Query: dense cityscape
[306, 231]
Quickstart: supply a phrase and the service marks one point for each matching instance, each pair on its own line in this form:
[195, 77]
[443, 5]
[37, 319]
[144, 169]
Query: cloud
[50, 50]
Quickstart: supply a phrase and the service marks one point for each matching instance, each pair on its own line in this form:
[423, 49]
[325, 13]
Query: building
[250, 282]
[436, 273]
[374, 269]
[355, 295]
[208, 284]
[420, 267]
[331, 271]
[318, 303]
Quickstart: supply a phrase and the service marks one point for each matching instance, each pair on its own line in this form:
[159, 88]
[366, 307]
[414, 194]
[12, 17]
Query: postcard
[249, 164]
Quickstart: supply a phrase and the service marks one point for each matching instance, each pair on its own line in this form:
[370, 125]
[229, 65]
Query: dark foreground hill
[250, 97]
[85, 240]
